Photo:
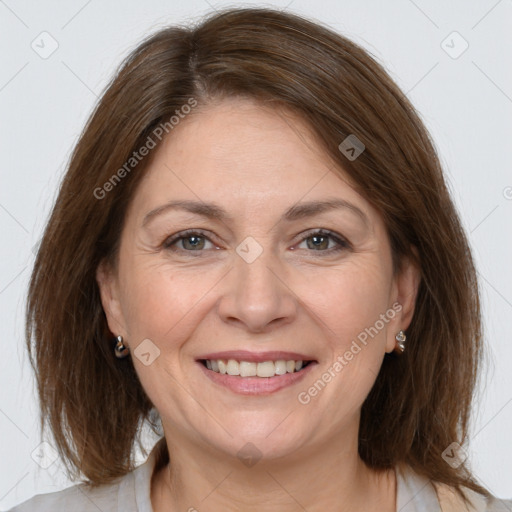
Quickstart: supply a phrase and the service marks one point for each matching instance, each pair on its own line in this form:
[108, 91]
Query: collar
[415, 493]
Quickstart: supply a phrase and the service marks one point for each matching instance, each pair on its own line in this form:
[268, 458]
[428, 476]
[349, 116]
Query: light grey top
[131, 493]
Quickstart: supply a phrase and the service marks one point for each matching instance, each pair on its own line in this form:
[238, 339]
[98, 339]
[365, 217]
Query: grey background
[465, 101]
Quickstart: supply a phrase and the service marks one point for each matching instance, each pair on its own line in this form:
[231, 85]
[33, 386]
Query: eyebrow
[296, 212]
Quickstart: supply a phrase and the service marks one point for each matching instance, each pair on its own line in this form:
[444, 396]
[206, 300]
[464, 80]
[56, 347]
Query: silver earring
[120, 349]
[400, 340]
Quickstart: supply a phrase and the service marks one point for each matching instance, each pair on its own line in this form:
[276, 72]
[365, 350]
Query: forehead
[244, 154]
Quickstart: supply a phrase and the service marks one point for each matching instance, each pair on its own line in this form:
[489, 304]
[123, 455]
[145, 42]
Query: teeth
[232, 368]
[266, 369]
[250, 369]
[280, 367]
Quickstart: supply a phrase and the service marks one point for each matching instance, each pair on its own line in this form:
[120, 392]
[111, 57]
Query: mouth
[255, 374]
[263, 369]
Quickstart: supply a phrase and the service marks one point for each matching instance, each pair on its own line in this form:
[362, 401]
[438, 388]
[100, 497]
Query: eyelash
[342, 244]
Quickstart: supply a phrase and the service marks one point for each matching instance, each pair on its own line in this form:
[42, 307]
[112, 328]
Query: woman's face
[253, 274]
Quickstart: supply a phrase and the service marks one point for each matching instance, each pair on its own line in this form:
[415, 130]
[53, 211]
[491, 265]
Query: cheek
[349, 300]
[350, 307]
[160, 308]
[162, 303]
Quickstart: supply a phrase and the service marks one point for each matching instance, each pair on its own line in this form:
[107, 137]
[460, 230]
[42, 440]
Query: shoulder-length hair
[94, 403]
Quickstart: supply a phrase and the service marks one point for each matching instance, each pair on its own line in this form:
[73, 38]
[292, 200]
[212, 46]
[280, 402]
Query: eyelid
[342, 242]
[169, 241]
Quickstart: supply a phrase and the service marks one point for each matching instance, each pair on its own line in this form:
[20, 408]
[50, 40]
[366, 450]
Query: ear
[404, 291]
[109, 292]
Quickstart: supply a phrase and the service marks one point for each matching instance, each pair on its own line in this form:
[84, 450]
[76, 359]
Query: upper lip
[257, 357]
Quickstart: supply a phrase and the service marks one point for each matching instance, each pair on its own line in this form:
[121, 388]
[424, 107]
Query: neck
[328, 476]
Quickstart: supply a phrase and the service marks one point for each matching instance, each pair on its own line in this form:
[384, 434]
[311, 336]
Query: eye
[189, 241]
[320, 241]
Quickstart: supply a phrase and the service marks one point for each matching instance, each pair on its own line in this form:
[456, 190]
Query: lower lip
[256, 385]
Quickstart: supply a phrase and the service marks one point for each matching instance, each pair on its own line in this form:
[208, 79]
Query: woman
[259, 246]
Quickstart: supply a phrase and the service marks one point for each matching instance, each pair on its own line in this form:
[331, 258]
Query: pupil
[319, 241]
[196, 241]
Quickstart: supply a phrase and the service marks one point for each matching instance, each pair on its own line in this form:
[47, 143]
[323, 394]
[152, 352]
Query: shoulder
[499, 505]
[417, 493]
[123, 495]
[449, 501]
[79, 498]
[132, 492]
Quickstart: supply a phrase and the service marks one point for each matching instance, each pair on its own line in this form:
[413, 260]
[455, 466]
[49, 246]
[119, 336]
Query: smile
[252, 369]
[266, 380]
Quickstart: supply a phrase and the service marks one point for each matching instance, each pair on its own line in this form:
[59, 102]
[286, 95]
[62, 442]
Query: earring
[120, 349]
[400, 339]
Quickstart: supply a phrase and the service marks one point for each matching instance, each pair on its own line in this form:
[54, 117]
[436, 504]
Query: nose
[255, 295]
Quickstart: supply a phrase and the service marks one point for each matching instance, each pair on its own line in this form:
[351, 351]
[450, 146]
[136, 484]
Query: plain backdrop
[453, 59]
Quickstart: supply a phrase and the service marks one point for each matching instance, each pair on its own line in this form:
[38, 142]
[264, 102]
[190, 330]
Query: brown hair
[421, 401]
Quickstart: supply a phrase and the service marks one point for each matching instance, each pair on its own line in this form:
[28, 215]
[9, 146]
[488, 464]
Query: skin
[256, 162]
